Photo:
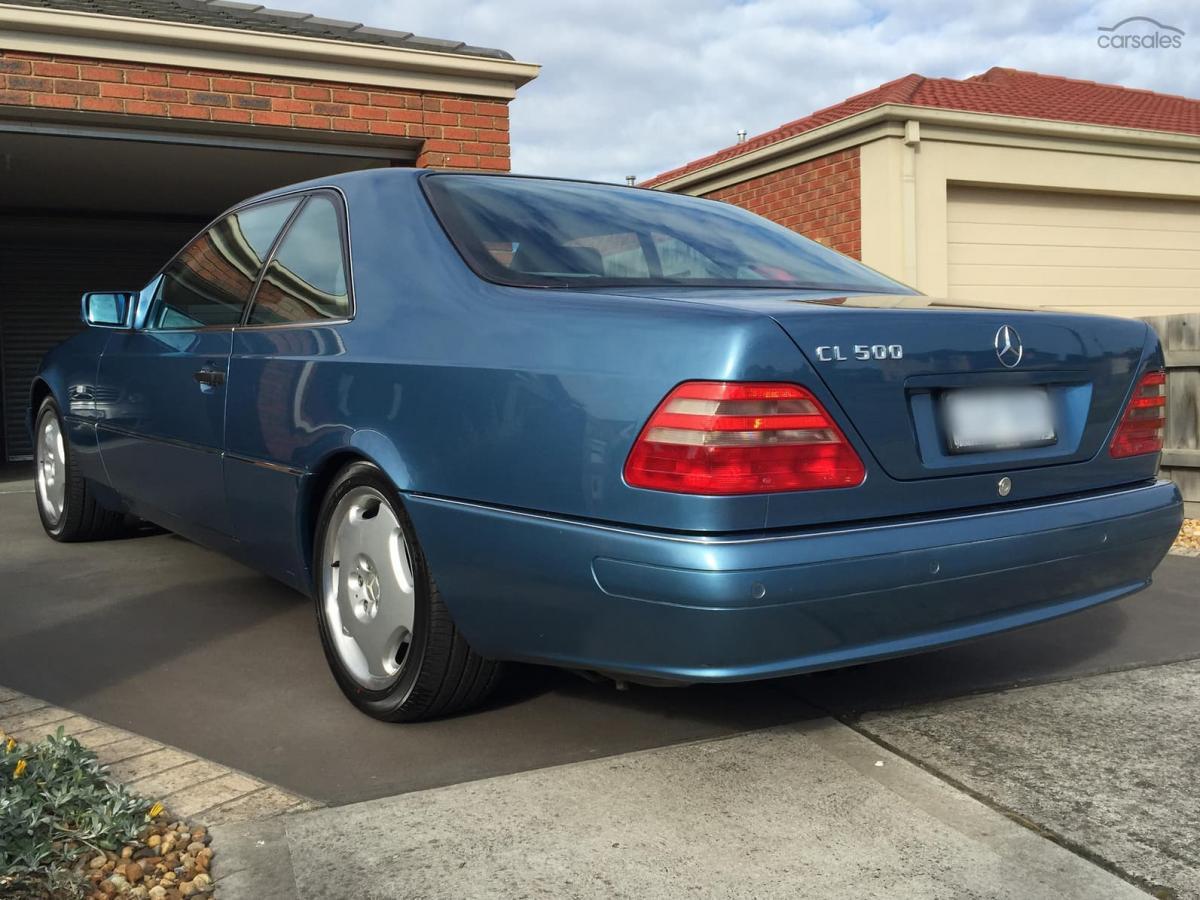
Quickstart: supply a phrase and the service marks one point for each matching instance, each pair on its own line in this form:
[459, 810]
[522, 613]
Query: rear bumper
[676, 608]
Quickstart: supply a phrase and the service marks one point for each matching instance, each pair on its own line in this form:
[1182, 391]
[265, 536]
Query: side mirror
[107, 309]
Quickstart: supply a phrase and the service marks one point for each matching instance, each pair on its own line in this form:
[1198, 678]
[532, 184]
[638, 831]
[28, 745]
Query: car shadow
[1050, 651]
[1060, 649]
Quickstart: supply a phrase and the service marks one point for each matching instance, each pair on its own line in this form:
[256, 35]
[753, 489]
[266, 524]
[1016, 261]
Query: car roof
[348, 179]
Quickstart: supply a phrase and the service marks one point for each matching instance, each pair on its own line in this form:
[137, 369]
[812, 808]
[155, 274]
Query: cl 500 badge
[861, 351]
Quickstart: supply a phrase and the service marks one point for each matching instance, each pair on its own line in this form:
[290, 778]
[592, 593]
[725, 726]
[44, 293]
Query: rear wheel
[66, 505]
[393, 648]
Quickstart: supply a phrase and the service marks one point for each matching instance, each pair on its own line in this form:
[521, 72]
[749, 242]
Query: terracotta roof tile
[999, 91]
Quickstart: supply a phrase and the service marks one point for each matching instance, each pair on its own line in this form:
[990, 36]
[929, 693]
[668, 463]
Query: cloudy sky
[634, 87]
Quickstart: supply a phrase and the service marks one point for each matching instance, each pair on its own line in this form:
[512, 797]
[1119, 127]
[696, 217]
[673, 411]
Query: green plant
[57, 805]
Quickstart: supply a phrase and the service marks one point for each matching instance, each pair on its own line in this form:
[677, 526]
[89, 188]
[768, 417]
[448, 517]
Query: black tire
[82, 517]
[440, 675]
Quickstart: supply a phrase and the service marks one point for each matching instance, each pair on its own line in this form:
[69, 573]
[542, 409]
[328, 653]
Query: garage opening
[85, 212]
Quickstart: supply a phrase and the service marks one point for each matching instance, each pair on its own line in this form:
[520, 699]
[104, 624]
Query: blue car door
[285, 371]
[165, 382]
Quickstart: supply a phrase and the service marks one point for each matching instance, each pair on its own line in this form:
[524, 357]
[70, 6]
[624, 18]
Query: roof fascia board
[831, 144]
[856, 129]
[69, 33]
[1106, 147]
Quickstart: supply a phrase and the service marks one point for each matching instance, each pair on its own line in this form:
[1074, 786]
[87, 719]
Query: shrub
[56, 806]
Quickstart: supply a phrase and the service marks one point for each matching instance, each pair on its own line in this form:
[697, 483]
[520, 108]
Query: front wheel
[393, 648]
[65, 502]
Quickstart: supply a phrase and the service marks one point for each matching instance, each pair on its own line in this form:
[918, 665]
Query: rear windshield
[543, 233]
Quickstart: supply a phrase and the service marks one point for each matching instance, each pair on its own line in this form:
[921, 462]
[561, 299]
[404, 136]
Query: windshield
[543, 233]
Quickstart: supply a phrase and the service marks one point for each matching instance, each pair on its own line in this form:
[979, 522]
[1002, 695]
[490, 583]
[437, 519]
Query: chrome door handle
[209, 377]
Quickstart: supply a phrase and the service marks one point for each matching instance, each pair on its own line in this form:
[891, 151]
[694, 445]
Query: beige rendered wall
[907, 180]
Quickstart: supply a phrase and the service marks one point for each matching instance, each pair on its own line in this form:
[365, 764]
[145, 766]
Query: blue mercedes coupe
[482, 418]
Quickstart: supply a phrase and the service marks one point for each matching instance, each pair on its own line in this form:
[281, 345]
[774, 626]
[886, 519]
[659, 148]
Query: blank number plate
[997, 419]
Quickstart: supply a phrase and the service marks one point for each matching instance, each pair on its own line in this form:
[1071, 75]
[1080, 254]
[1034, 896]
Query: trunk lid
[889, 361]
[915, 356]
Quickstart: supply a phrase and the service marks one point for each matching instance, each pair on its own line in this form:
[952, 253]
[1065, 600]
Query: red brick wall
[457, 131]
[820, 198]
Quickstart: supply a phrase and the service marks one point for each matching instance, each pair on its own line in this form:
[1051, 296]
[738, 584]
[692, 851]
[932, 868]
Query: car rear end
[781, 480]
[884, 529]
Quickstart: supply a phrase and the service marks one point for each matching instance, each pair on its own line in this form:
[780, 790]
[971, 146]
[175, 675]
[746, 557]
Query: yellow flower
[20, 769]
[156, 810]
[10, 745]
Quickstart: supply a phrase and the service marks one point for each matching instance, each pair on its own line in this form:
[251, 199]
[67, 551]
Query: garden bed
[69, 832]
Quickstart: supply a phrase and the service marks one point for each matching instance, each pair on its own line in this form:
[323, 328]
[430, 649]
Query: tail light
[1145, 419]
[718, 437]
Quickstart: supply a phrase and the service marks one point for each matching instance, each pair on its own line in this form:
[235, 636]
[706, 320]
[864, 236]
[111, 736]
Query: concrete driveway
[162, 638]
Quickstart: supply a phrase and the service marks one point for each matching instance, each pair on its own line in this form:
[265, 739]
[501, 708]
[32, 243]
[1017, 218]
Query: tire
[65, 501]
[369, 623]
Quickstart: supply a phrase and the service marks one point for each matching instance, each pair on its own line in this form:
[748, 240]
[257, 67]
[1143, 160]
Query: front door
[163, 424]
[163, 385]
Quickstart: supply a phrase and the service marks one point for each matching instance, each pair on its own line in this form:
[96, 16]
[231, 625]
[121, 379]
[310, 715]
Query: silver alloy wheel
[51, 469]
[368, 597]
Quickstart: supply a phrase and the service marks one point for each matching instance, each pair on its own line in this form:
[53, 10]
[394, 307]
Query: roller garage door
[1101, 253]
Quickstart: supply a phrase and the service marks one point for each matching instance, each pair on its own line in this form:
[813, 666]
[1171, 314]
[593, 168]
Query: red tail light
[1145, 418]
[718, 437]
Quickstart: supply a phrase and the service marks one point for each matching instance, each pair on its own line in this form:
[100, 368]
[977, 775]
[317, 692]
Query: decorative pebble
[1189, 535]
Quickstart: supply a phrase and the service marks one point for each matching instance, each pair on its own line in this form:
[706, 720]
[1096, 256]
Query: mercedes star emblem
[1008, 346]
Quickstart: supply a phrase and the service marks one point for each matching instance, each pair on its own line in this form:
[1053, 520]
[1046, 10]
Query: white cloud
[637, 87]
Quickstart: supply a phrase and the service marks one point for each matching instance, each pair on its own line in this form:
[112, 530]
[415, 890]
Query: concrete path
[809, 810]
[1110, 764]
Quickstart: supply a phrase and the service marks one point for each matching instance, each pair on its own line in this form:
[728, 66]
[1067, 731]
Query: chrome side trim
[790, 536]
[174, 442]
[264, 464]
[200, 448]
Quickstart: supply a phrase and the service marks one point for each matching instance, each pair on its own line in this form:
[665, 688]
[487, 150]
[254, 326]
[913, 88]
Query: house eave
[71, 33]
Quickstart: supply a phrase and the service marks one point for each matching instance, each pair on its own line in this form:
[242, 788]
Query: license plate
[997, 419]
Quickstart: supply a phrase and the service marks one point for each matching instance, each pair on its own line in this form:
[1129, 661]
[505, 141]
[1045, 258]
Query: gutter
[126, 39]
[890, 118]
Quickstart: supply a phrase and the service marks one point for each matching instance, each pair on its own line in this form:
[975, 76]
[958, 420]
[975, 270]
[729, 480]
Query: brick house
[1006, 187]
[125, 128]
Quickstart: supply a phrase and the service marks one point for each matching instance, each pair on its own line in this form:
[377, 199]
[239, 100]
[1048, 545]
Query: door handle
[210, 378]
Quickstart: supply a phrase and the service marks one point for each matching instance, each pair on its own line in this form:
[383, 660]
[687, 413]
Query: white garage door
[1117, 255]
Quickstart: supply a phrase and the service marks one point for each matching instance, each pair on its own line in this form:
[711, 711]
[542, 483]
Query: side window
[209, 283]
[306, 280]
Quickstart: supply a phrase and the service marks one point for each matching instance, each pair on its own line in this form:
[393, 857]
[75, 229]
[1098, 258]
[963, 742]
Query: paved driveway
[161, 637]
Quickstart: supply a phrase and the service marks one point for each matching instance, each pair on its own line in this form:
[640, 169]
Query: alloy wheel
[368, 595]
[51, 473]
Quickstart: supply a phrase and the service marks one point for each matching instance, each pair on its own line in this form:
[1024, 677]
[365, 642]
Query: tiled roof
[253, 17]
[999, 91]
